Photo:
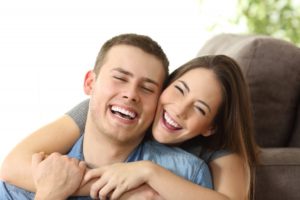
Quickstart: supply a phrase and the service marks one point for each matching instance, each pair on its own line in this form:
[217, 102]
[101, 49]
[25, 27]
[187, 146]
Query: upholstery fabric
[272, 70]
[278, 176]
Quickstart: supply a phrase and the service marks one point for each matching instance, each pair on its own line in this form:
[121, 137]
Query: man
[124, 88]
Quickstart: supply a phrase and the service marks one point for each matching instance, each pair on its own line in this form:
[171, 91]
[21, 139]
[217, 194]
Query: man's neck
[99, 150]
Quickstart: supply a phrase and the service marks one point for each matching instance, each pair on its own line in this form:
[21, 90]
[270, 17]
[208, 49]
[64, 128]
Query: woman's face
[187, 107]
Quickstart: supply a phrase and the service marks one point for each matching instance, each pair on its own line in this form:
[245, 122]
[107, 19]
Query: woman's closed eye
[179, 89]
[200, 110]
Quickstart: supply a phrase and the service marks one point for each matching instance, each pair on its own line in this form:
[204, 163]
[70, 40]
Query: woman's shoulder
[206, 154]
[210, 155]
[79, 114]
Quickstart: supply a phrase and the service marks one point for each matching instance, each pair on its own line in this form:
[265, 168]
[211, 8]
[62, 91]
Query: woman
[206, 110]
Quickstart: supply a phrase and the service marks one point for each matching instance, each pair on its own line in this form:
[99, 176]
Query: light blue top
[174, 159]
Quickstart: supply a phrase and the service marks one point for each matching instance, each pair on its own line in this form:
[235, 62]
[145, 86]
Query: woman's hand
[144, 192]
[116, 179]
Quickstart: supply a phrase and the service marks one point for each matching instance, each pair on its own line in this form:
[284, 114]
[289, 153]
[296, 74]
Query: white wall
[47, 46]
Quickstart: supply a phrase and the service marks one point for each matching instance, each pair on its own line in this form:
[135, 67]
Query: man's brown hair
[142, 42]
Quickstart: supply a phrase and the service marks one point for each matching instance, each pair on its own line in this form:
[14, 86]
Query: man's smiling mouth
[123, 113]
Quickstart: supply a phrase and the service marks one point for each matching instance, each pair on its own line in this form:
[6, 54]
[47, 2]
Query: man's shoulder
[178, 161]
[154, 149]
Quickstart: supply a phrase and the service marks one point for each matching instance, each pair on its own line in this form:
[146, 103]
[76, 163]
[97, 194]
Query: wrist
[149, 169]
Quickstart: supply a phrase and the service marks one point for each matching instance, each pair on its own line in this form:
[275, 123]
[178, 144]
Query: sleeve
[11, 192]
[203, 177]
[79, 114]
[209, 156]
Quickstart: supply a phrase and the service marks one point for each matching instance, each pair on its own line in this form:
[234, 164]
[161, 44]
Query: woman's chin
[161, 139]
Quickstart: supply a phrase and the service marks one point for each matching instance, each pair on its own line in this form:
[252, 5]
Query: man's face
[125, 94]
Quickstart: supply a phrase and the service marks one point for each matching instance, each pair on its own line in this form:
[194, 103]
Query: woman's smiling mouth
[169, 122]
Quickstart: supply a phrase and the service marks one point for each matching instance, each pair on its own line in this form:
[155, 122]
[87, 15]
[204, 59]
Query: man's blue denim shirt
[174, 159]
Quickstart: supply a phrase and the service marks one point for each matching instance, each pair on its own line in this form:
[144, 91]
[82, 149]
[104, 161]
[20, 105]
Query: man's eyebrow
[188, 89]
[149, 80]
[122, 71]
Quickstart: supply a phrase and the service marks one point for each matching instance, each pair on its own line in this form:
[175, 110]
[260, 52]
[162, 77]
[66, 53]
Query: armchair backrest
[272, 70]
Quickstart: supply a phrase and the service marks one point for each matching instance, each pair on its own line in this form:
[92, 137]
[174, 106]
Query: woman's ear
[89, 80]
[210, 131]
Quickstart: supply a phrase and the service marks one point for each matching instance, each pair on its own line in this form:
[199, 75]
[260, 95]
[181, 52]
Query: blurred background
[46, 47]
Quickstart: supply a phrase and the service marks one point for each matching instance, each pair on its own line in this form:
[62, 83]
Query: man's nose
[132, 94]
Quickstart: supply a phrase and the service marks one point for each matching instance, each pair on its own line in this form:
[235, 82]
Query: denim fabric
[174, 159]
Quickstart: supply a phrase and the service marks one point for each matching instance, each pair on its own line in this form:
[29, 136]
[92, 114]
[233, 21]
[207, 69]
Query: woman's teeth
[170, 121]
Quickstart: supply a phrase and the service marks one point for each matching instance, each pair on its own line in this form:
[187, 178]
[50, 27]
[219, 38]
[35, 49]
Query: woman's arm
[143, 192]
[171, 186]
[230, 177]
[58, 136]
[230, 180]
[118, 178]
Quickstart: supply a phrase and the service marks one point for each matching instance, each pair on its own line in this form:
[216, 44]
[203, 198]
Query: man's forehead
[136, 62]
[146, 78]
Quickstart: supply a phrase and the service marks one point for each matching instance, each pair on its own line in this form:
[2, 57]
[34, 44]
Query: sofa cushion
[295, 139]
[277, 174]
[272, 70]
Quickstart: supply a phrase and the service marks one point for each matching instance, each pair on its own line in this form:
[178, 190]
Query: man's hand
[56, 176]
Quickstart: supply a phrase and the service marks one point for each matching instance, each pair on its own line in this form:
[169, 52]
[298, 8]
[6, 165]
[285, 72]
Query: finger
[105, 190]
[96, 187]
[82, 165]
[55, 154]
[36, 159]
[93, 173]
[74, 161]
[118, 192]
[65, 157]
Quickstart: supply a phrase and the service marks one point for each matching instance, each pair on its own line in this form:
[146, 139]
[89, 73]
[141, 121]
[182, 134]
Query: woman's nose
[182, 109]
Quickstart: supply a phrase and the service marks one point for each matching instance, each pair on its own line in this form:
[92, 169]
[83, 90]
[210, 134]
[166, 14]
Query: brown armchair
[272, 70]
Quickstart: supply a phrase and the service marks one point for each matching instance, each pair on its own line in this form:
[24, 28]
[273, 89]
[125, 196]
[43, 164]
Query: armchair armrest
[278, 174]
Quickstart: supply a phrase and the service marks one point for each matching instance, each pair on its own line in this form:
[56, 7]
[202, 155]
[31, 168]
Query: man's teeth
[128, 113]
[171, 121]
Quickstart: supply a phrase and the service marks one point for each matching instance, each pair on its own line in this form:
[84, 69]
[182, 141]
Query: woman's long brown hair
[234, 130]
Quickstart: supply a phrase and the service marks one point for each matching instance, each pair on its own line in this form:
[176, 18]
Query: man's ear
[210, 131]
[89, 80]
